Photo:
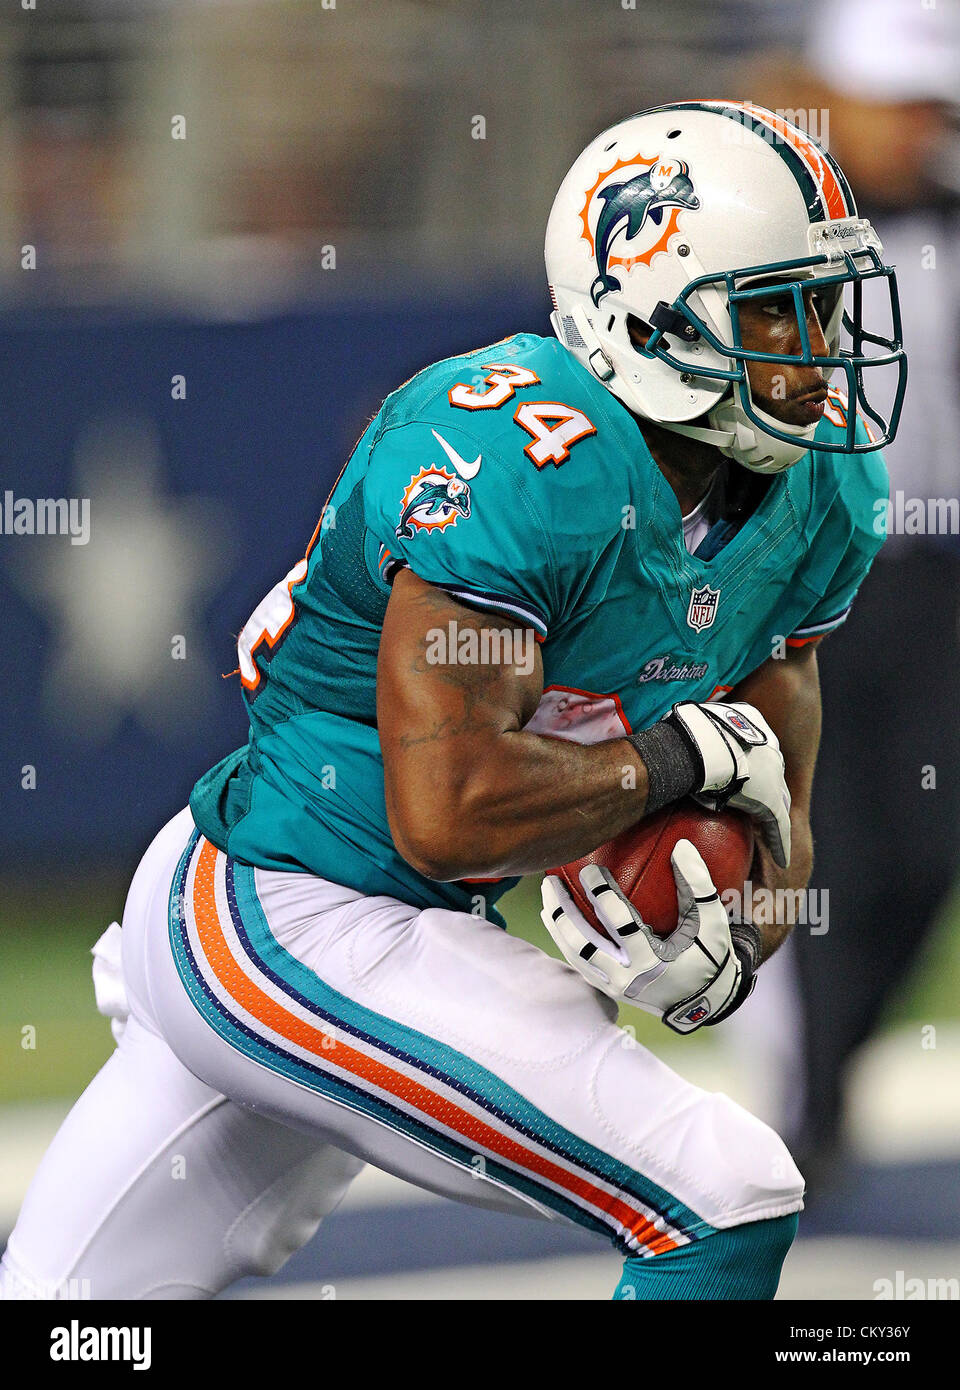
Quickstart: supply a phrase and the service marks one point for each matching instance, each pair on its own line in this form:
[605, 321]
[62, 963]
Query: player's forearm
[471, 793]
[523, 803]
[788, 693]
[778, 908]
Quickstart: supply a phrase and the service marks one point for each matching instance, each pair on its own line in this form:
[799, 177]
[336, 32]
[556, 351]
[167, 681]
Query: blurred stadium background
[362, 188]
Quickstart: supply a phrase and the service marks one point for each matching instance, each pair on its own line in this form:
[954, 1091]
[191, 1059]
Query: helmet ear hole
[639, 331]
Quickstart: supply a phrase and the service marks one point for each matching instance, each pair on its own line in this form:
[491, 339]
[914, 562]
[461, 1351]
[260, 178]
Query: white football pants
[283, 1031]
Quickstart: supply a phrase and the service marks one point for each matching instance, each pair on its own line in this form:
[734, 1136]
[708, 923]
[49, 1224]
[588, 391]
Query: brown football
[639, 859]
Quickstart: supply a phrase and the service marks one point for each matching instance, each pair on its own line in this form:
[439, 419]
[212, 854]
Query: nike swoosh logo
[466, 470]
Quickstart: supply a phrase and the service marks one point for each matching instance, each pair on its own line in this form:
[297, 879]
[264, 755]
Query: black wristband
[748, 949]
[747, 942]
[672, 770]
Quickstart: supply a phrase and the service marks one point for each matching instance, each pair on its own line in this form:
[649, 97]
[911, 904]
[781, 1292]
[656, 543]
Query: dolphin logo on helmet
[635, 202]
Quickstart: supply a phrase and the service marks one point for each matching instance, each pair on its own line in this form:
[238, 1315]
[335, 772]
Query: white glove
[742, 767]
[698, 974]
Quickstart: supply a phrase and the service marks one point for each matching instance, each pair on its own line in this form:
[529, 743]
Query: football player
[559, 584]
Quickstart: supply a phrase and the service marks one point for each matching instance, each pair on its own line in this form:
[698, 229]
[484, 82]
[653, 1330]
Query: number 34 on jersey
[553, 427]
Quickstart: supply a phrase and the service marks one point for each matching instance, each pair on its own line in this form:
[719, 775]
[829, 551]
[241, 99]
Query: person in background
[881, 79]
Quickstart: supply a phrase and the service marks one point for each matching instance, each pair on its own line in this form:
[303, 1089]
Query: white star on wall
[117, 604]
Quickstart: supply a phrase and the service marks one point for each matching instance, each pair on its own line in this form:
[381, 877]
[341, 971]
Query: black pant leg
[885, 848]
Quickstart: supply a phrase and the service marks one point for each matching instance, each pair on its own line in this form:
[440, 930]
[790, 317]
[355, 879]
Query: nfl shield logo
[703, 607]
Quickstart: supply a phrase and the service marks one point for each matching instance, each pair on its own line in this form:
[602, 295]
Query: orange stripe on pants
[277, 1019]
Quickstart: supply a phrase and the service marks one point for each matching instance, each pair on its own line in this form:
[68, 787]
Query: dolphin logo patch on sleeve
[432, 500]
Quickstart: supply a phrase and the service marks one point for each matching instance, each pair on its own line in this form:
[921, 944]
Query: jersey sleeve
[854, 530]
[443, 502]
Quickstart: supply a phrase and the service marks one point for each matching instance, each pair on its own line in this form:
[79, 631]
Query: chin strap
[576, 331]
[752, 446]
[720, 439]
[747, 445]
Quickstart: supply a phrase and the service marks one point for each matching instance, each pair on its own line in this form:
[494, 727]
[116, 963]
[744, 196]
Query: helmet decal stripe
[841, 178]
[816, 159]
[826, 191]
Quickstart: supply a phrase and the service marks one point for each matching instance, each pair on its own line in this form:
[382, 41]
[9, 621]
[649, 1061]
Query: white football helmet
[671, 218]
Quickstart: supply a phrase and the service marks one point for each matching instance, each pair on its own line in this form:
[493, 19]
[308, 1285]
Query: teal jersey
[513, 480]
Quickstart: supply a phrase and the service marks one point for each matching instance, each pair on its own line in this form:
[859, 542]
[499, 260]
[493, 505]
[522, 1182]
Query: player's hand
[698, 974]
[742, 767]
